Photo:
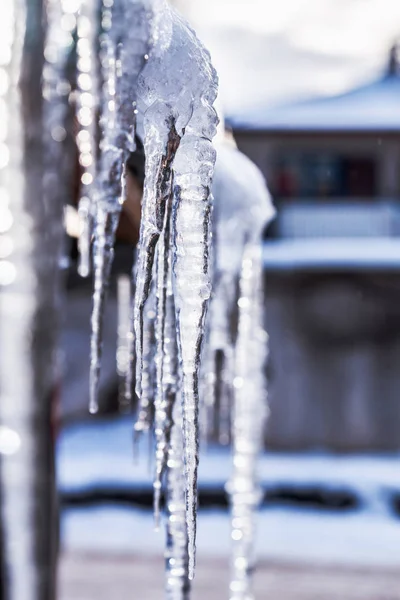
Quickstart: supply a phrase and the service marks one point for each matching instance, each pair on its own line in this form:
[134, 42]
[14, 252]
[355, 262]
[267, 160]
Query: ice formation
[171, 458]
[157, 67]
[123, 51]
[172, 274]
[88, 88]
[179, 124]
[124, 297]
[237, 343]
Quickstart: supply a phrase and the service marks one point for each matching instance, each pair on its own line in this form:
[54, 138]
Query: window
[323, 176]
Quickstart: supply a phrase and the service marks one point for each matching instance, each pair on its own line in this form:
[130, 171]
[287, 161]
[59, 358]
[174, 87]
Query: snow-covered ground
[359, 539]
[99, 455]
[330, 253]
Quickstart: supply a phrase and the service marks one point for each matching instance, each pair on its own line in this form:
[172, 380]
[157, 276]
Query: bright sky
[272, 50]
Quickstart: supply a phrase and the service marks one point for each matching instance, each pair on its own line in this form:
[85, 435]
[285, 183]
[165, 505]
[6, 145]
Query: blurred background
[311, 92]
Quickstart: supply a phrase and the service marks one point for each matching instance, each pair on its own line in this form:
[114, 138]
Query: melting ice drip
[237, 345]
[152, 63]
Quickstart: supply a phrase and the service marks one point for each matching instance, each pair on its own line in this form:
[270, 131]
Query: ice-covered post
[30, 243]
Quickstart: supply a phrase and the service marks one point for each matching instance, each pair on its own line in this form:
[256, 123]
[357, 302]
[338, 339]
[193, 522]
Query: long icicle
[179, 74]
[145, 412]
[161, 143]
[250, 410]
[162, 405]
[176, 556]
[193, 172]
[106, 216]
[121, 66]
[88, 86]
[124, 299]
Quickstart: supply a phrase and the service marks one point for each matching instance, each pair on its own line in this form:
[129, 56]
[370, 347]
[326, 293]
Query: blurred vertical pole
[30, 238]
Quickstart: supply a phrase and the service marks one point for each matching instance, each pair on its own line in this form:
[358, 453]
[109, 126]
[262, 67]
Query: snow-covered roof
[371, 107]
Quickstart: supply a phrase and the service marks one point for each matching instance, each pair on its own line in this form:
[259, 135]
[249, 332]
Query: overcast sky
[267, 51]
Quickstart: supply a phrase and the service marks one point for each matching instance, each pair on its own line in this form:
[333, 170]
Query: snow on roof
[371, 107]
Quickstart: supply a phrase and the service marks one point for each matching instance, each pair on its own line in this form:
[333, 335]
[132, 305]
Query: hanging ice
[179, 124]
[249, 414]
[88, 87]
[123, 343]
[177, 582]
[242, 210]
[145, 413]
[156, 66]
[123, 53]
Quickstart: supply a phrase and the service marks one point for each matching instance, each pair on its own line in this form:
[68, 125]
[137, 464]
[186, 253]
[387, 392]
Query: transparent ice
[88, 98]
[179, 123]
[236, 348]
[123, 53]
[155, 68]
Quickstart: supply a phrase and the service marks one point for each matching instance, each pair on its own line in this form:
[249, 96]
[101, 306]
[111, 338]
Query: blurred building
[332, 263]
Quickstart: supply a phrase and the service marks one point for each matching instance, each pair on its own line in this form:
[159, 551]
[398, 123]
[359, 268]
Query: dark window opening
[323, 176]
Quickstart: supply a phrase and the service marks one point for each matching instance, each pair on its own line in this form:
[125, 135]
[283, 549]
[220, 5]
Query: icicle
[121, 65]
[122, 355]
[178, 73]
[242, 209]
[190, 87]
[129, 375]
[88, 87]
[225, 397]
[219, 351]
[248, 421]
[161, 142]
[177, 563]
[162, 405]
[146, 401]
[166, 365]
[106, 226]
[193, 171]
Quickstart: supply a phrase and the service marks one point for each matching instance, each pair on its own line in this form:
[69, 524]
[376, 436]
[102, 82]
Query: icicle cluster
[179, 124]
[152, 64]
[124, 52]
[237, 344]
